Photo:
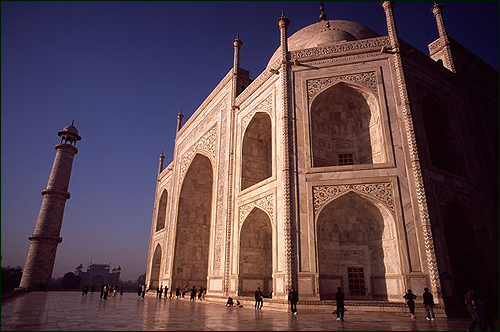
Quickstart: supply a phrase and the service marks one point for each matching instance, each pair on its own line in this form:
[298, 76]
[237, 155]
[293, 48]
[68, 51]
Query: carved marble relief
[315, 86]
[265, 203]
[382, 191]
[265, 106]
[219, 225]
[207, 143]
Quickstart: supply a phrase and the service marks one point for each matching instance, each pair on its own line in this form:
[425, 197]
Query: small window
[356, 277]
[346, 159]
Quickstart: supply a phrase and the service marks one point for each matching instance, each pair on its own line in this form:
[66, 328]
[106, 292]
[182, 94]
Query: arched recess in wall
[357, 250]
[346, 127]
[443, 143]
[162, 211]
[155, 268]
[193, 225]
[463, 250]
[256, 159]
[255, 257]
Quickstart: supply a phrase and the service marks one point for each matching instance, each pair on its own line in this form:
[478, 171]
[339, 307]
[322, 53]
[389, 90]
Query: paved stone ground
[71, 311]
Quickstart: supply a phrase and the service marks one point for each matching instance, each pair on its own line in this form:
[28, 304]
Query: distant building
[97, 274]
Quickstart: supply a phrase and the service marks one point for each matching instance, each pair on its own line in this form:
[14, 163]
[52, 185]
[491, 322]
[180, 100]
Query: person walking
[293, 298]
[410, 297]
[428, 304]
[258, 298]
[193, 293]
[470, 304]
[200, 293]
[143, 291]
[339, 298]
[139, 290]
[121, 290]
[105, 289]
[166, 292]
[177, 292]
[92, 289]
[161, 291]
[102, 291]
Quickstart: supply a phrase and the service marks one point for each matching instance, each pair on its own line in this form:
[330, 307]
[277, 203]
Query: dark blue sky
[122, 70]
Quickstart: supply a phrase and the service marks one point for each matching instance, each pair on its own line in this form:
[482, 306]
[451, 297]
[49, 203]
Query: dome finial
[322, 14]
[73, 122]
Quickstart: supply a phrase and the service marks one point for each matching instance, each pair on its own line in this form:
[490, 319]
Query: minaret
[322, 14]
[45, 238]
[160, 163]
[287, 161]
[237, 43]
[440, 48]
[180, 116]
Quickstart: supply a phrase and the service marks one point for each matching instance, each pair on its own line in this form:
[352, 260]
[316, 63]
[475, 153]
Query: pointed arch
[155, 267]
[357, 249]
[162, 211]
[345, 126]
[194, 219]
[256, 155]
[255, 253]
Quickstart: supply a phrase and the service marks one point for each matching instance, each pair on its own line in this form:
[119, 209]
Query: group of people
[194, 293]
[141, 291]
[109, 290]
[428, 300]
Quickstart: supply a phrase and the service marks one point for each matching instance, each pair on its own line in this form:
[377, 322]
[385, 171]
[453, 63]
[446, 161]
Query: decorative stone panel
[265, 106]
[219, 229]
[265, 203]
[207, 143]
[340, 48]
[381, 191]
[368, 79]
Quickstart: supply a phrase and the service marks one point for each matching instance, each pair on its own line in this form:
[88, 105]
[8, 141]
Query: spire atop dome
[322, 14]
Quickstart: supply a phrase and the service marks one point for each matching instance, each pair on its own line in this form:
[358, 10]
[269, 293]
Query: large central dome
[326, 32]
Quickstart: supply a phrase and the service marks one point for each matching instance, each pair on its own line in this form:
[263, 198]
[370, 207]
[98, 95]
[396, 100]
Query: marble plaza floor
[71, 311]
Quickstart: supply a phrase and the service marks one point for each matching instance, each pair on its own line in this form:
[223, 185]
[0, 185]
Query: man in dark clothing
[139, 290]
[470, 304]
[193, 293]
[258, 298]
[293, 298]
[339, 298]
[410, 297]
[429, 304]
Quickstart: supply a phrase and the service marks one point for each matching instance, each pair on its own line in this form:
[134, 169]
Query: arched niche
[255, 254]
[463, 249]
[193, 225]
[162, 211]
[155, 268]
[256, 156]
[346, 128]
[357, 250]
[443, 144]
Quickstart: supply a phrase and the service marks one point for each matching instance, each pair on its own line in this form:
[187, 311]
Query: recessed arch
[443, 144]
[193, 225]
[255, 253]
[256, 155]
[346, 127]
[155, 267]
[162, 211]
[357, 249]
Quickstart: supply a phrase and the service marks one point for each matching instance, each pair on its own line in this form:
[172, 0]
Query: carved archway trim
[265, 203]
[318, 85]
[382, 191]
[207, 144]
[265, 106]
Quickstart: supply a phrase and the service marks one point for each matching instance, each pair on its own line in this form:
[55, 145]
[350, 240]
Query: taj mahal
[353, 160]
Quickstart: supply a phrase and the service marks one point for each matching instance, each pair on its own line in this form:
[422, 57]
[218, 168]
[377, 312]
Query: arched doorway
[346, 127]
[155, 268]
[357, 250]
[256, 159]
[463, 250]
[255, 258]
[162, 211]
[193, 225]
